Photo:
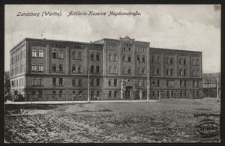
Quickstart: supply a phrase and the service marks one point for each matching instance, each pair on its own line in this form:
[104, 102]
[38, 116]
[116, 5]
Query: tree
[7, 85]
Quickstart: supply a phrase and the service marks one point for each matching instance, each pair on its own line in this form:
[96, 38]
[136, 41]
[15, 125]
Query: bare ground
[167, 121]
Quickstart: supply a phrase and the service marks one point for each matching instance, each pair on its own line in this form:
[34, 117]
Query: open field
[169, 120]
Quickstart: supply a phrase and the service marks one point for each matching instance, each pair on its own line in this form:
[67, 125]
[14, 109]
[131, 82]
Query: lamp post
[217, 88]
[122, 90]
[88, 88]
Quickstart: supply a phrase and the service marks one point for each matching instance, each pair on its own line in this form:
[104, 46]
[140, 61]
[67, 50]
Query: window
[197, 61]
[53, 94]
[40, 81]
[40, 53]
[115, 69]
[54, 54]
[74, 68]
[80, 69]
[34, 53]
[129, 71]
[98, 93]
[97, 56]
[197, 93]
[167, 71]
[40, 94]
[180, 61]
[79, 55]
[184, 61]
[97, 82]
[181, 83]
[115, 93]
[185, 72]
[153, 93]
[40, 67]
[124, 57]
[60, 93]
[33, 67]
[168, 93]
[143, 70]
[181, 93]
[158, 83]
[172, 93]
[129, 58]
[33, 94]
[54, 68]
[97, 69]
[115, 82]
[110, 83]
[33, 80]
[60, 68]
[110, 93]
[54, 81]
[92, 93]
[143, 59]
[157, 71]
[171, 72]
[110, 69]
[60, 81]
[110, 57]
[60, 54]
[74, 55]
[92, 56]
[185, 93]
[138, 58]
[181, 72]
[92, 69]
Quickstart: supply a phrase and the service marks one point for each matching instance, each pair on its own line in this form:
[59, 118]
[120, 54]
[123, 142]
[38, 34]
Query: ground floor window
[40, 93]
[115, 93]
[34, 94]
[60, 93]
[53, 94]
[110, 93]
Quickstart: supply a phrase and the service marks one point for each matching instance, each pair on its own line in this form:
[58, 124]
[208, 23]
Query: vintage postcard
[112, 73]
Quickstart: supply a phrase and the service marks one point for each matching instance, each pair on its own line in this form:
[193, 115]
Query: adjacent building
[109, 69]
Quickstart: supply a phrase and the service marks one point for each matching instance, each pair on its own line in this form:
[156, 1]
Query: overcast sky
[184, 27]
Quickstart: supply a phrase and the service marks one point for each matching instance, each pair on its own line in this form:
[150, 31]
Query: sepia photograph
[110, 73]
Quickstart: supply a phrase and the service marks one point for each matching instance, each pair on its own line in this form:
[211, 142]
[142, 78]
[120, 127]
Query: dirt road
[166, 121]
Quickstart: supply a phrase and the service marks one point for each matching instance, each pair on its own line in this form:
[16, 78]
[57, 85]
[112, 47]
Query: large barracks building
[124, 68]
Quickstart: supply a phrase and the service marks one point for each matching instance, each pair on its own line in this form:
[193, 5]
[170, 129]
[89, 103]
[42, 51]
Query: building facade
[121, 68]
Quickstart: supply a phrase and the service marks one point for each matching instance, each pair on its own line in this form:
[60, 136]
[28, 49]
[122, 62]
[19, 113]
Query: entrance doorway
[128, 92]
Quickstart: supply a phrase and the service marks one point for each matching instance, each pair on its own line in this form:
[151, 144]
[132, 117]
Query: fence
[84, 97]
